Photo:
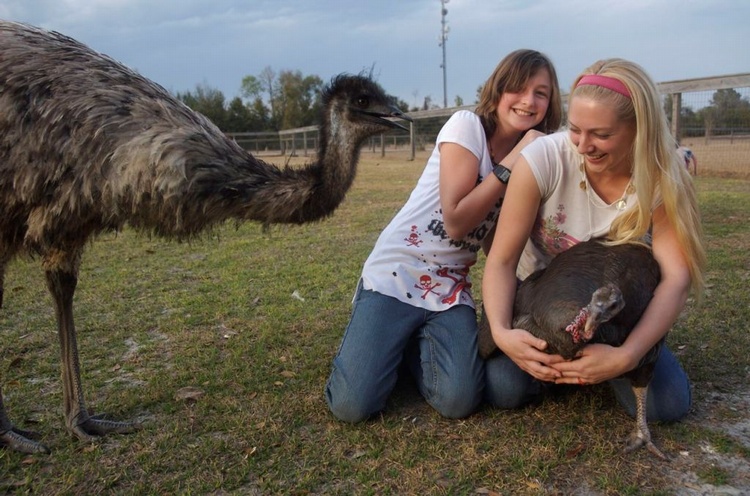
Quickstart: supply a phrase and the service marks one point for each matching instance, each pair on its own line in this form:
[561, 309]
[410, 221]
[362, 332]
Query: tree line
[728, 112]
[270, 101]
[288, 99]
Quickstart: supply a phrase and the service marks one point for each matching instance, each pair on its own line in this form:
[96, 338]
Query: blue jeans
[445, 363]
[669, 397]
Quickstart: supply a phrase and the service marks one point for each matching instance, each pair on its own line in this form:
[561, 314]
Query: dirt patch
[721, 157]
[727, 414]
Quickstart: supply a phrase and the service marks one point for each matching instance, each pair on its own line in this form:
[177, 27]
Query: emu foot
[639, 438]
[22, 441]
[97, 425]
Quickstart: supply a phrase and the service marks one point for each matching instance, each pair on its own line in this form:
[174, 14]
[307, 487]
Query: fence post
[676, 113]
[412, 142]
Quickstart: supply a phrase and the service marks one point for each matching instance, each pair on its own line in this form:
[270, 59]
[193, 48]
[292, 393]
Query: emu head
[359, 99]
[606, 302]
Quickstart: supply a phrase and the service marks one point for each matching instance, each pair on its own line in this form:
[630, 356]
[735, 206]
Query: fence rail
[719, 149]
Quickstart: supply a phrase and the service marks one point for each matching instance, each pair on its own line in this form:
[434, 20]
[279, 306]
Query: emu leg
[641, 436]
[61, 281]
[10, 436]
[17, 439]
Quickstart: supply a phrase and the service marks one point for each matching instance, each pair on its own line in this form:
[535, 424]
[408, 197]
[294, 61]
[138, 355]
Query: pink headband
[606, 82]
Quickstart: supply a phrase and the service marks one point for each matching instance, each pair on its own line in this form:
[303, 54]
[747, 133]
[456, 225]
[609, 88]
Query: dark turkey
[590, 293]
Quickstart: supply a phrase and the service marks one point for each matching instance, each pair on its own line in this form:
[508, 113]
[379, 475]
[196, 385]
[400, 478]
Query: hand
[511, 158]
[530, 136]
[594, 364]
[527, 351]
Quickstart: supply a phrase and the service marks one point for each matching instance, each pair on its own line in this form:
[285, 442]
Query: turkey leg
[641, 436]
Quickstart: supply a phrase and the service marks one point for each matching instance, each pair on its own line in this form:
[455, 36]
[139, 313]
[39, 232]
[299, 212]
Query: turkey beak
[385, 117]
[589, 328]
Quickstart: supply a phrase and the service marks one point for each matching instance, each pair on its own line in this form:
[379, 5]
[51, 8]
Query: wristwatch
[502, 173]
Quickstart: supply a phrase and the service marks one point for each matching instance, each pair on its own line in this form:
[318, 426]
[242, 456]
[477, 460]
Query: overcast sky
[183, 43]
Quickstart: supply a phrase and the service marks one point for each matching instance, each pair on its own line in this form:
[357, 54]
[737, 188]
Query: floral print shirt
[568, 214]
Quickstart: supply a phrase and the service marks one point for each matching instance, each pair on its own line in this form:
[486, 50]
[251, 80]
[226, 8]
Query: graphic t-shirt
[414, 260]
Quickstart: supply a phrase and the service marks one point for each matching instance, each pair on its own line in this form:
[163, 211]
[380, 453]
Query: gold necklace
[620, 204]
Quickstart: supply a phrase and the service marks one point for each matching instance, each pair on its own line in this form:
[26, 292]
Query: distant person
[689, 158]
[413, 303]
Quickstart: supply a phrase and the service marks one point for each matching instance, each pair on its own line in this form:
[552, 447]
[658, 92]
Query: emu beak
[385, 117]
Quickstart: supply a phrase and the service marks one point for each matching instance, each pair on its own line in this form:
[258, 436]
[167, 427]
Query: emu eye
[363, 101]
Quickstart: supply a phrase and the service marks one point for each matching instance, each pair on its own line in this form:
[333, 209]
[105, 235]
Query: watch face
[502, 173]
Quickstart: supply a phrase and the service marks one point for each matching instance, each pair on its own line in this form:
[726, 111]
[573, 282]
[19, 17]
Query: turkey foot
[642, 437]
[22, 441]
[97, 425]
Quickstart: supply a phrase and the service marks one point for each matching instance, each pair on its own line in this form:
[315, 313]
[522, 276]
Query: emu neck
[312, 192]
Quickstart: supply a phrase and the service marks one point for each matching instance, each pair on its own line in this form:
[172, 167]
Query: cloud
[217, 42]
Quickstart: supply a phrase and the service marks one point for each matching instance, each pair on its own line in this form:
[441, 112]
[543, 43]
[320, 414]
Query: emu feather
[88, 145]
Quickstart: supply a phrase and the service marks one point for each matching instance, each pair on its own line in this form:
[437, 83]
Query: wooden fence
[718, 150]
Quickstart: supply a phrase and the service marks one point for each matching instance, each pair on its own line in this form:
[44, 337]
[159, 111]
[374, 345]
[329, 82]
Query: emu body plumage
[88, 145]
[598, 293]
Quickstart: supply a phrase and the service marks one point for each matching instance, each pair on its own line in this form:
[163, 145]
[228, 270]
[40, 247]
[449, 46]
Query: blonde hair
[511, 75]
[658, 174]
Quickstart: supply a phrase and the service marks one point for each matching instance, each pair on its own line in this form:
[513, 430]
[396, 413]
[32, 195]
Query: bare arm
[599, 363]
[517, 217]
[465, 204]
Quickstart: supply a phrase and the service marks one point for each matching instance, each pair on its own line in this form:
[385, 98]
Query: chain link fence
[710, 116]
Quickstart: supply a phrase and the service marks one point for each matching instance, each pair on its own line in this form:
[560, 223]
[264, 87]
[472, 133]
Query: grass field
[222, 347]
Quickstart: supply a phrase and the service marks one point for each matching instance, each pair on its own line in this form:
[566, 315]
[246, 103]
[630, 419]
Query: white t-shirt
[568, 214]
[414, 260]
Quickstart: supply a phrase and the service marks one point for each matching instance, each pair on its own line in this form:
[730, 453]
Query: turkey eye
[363, 102]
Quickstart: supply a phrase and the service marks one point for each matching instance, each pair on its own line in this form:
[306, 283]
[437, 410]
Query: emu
[89, 146]
[590, 293]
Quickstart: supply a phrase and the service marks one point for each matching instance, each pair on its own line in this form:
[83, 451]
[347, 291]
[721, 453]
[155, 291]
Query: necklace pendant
[582, 185]
[621, 204]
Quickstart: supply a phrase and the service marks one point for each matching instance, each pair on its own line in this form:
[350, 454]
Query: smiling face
[605, 141]
[521, 111]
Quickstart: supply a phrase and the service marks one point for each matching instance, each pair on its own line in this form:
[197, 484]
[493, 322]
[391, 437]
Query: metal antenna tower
[443, 38]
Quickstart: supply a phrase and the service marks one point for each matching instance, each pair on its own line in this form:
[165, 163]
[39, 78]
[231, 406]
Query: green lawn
[251, 320]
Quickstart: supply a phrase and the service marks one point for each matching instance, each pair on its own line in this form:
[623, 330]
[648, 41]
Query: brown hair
[511, 75]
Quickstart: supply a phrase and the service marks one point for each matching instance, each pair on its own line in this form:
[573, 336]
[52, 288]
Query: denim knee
[350, 411]
[445, 362]
[364, 370]
[507, 386]
[457, 402]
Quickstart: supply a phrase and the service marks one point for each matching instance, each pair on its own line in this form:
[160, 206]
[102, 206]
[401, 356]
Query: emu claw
[97, 426]
[21, 441]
